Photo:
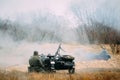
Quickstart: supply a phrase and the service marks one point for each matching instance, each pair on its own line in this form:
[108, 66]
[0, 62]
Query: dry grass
[114, 62]
[102, 75]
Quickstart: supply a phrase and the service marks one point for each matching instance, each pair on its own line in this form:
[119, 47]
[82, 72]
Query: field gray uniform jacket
[35, 61]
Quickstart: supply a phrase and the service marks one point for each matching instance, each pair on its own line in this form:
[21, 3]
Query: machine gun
[57, 53]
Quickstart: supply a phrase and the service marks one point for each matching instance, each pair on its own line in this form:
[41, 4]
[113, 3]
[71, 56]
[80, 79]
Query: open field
[87, 30]
[83, 75]
[85, 70]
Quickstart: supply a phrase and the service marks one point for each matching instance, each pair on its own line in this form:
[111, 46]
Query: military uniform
[35, 62]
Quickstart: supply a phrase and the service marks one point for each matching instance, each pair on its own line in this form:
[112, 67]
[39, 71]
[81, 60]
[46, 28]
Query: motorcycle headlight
[52, 62]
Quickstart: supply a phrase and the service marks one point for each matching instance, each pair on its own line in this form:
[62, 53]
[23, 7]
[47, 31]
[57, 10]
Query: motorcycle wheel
[71, 71]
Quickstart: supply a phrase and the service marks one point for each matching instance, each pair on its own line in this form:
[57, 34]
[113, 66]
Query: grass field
[85, 70]
[97, 75]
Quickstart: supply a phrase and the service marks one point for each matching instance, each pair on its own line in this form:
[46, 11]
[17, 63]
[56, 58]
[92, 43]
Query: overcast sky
[12, 8]
[9, 7]
[58, 7]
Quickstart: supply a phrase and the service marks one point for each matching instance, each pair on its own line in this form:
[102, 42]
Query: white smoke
[89, 56]
[100, 10]
[34, 21]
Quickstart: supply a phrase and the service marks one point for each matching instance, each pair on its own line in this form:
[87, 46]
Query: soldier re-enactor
[35, 61]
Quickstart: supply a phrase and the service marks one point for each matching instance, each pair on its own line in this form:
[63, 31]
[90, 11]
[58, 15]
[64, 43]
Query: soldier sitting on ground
[36, 62]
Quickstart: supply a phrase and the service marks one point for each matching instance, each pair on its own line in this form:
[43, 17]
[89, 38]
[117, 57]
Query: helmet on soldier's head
[35, 53]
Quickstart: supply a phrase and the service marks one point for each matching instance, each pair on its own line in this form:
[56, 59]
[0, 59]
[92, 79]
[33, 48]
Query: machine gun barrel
[58, 50]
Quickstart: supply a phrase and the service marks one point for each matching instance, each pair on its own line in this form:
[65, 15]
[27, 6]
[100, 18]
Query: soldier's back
[34, 61]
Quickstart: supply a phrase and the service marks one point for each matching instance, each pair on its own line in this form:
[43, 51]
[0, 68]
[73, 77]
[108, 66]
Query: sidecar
[64, 62]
